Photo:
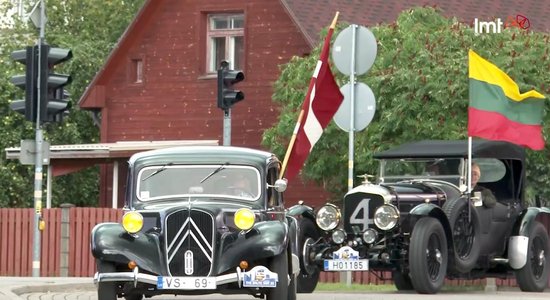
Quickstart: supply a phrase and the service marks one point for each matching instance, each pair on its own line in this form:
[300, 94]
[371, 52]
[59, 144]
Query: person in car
[242, 187]
[489, 200]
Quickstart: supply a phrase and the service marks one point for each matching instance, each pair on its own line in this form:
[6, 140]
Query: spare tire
[466, 235]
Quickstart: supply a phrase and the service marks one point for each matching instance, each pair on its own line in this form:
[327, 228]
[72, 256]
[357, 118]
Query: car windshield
[175, 181]
[446, 169]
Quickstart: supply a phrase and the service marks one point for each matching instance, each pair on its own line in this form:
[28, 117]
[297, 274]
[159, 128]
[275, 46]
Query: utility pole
[39, 139]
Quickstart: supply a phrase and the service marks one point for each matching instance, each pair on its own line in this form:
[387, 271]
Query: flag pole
[300, 117]
[291, 143]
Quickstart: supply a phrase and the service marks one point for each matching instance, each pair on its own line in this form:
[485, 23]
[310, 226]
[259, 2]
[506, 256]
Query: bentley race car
[419, 223]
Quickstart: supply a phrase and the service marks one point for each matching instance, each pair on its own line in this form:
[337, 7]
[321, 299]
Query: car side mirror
[280, 185]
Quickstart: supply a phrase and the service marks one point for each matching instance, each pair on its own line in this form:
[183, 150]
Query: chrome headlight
[338, 236]
[386, 217]
[328, 217]
[369, 236]
[132, 222]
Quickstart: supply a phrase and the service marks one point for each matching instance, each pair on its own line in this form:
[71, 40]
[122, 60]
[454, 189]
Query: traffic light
[27, 82]
[55, 102]
[41, 59]
[227, 95]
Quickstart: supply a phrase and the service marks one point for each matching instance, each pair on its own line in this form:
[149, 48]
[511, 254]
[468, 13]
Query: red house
[159, 82]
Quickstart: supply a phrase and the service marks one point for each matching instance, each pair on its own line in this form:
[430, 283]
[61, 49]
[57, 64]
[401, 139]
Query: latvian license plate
[346, 265]
[186, 283]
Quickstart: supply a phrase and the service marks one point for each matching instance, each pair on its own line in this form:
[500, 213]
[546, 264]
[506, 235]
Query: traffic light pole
[39, 139]
[227, 127]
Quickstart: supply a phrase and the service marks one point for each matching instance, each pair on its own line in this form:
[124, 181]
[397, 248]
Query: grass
[335, 287]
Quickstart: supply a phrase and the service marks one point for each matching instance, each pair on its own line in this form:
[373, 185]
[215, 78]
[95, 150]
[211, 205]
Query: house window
[225, 41]
[137, 71]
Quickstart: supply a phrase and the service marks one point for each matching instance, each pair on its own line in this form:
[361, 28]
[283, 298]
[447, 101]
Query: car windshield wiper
[157, 171]
[214, 172]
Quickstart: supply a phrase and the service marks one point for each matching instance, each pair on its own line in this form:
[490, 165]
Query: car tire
[279, 265]
[401, 281]
[466, 235]
[533, 277]
[428, 256]
[106, 290]
[309, 272]
[133, 297]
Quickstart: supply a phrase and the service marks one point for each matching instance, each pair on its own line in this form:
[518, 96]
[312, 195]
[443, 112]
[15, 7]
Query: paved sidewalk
[12, 287]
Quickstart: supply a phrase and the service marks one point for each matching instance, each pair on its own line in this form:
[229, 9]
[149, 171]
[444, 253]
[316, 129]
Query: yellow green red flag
[498, 111]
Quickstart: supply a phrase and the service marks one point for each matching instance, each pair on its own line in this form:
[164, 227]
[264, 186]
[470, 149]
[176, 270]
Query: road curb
[8, 295]
[54, 288]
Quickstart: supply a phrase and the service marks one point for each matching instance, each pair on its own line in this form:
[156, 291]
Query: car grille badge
[188, 262]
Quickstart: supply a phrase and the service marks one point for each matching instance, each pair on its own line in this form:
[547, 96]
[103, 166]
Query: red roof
[313, 15]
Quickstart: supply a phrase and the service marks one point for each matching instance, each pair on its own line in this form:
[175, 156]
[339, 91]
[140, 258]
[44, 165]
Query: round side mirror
[280, 185]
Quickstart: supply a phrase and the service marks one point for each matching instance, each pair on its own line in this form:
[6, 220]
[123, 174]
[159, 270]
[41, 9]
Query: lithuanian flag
[498, 111]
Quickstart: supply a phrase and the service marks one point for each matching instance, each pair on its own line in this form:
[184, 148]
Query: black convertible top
[444, 149]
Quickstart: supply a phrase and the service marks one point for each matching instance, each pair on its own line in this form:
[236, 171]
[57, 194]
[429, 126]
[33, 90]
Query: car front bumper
[137, 277]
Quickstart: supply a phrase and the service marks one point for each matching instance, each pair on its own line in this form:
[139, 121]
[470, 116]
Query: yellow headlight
[244, 219]
[132, 221]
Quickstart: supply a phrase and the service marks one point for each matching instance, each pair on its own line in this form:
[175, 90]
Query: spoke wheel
[309, 272]
[428, 256]
[402, 281]
[533, 277]
[466, 233]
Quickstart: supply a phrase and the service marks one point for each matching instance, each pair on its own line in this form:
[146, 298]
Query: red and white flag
[322, 100]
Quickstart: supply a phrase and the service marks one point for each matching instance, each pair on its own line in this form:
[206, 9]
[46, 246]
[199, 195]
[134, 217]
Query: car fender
[301, 211]
[110, 242]
[431, 210]
[519, 240]
[264, 240]
[293, 239]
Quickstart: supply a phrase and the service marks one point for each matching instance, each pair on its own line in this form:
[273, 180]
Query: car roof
[204, 155]
[457, 148]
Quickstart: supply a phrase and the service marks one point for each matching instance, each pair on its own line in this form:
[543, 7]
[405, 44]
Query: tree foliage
[420, 80]
[91, 30]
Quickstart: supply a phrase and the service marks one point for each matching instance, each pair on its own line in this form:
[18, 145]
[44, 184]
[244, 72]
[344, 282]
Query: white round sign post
[353, 53]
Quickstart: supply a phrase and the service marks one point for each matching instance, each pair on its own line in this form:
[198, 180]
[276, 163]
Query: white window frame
[230, 34]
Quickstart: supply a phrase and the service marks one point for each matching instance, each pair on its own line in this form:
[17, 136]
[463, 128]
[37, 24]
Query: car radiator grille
[359, 211]
[189, 243]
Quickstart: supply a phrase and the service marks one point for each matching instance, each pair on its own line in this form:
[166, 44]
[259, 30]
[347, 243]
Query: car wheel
[466, 234]
[402, 281]
[279, 265]
[533, 277]
[428, 256]
[292, 288]
[309, 272]
[106, 290]
[133, 297]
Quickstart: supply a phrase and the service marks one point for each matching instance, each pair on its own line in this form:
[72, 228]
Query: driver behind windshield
[242, 187]
[487, 196]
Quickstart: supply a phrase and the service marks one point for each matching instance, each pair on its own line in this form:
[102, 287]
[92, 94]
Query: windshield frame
[196, 190]
[457, 178]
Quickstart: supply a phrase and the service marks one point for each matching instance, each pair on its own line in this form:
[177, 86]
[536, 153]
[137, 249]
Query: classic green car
[200, 220]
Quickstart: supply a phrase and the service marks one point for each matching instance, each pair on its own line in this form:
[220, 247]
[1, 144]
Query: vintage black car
[199, 220]
[420, 223]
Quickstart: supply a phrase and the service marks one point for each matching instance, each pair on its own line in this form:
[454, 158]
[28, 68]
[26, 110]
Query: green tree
[88, 28]
[420, 80]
